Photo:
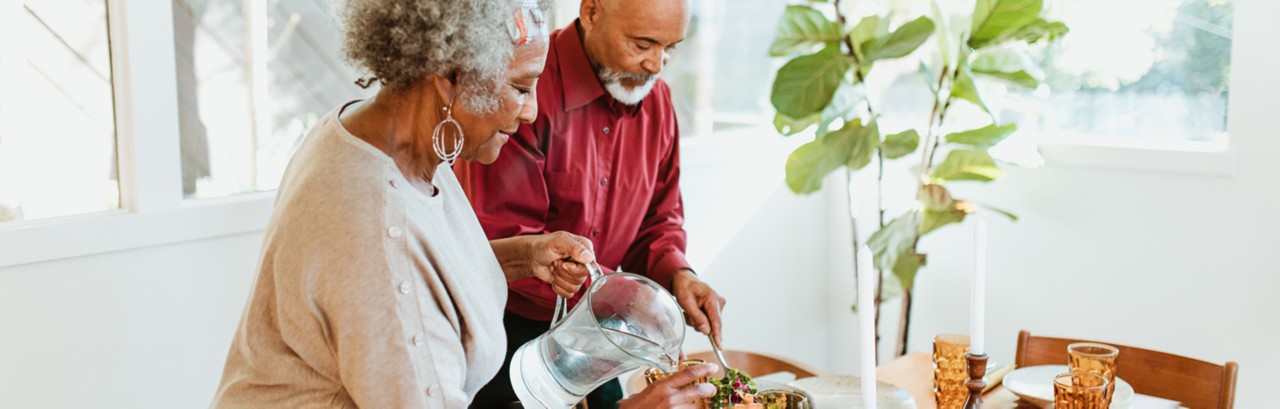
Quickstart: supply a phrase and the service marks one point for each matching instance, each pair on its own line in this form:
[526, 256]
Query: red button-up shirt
[591, 166]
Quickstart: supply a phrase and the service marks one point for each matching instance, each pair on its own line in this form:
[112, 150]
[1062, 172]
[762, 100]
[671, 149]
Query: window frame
[153, 211]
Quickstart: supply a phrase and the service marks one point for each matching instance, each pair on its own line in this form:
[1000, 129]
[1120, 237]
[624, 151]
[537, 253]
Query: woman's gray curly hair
[404, 41]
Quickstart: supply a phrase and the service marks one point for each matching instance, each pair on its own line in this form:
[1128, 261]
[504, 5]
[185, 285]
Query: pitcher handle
[562, 305]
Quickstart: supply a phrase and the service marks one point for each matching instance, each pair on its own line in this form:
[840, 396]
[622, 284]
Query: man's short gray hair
[404, 41]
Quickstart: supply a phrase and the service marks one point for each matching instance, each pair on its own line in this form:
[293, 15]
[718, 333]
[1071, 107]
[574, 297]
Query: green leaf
[1019, 78]
[984, 137]
[1002, 212]
[936, 218]
[802, 27]
[967, 90]
[864, 140]
[891, 242]
[788, 126]
[811, 162]
[868, 30]
[1038, 30]
[933, 196]
[968, 164]
[902, 42]
[994, 18]
[1009, 64]
[929, 77]
[890, 287]
[805, 85]
[900, 144]
[906, 267]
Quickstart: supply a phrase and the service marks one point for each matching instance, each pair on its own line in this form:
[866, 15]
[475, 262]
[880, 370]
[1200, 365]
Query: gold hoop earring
[437, 138]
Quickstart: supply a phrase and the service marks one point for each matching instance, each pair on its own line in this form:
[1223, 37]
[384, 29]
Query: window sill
[1194, 159]
[36, 241]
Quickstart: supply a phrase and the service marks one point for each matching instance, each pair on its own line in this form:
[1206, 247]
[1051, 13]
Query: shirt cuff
[664, 270]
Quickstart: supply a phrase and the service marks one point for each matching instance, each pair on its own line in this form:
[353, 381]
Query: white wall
[148, 328]
[760, 246]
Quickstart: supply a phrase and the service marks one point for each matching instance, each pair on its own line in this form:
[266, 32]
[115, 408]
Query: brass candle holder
[977, 370]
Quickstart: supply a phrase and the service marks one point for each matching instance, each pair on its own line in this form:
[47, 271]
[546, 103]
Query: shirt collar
[577, 77]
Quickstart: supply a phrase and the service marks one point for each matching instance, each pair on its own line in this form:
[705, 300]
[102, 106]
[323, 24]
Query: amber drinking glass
[1080, 390]
[949, 374]
[1097, 359]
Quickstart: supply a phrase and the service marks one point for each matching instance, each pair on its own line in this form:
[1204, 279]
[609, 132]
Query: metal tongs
[715, 346]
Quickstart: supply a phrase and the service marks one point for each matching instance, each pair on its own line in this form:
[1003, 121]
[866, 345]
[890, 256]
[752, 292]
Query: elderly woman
[377, 287]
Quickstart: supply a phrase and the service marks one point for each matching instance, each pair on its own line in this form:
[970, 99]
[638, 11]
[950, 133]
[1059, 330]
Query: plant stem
[903, 327]
[848, 42]
[938, 138]
[925, 153]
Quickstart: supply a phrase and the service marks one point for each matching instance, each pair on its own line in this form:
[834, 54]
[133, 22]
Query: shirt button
[392, 182]
[604, 181]
[405, 287]
[595, 232]
[395, 232]
[606, 130]
[431, 389]
[417, 340]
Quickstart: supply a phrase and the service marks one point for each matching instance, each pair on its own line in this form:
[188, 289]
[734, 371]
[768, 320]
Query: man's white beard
[612, 81]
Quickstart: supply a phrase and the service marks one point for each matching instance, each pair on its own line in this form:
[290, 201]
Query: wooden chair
[752, 363]
[1197, 384]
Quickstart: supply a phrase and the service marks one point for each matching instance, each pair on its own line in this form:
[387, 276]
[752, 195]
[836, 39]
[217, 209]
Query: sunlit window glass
[57, 119]
[251, 83]
[1139, 71]
[721, 74]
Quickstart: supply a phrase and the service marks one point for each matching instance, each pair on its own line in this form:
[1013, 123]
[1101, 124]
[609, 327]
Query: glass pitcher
[624, 322]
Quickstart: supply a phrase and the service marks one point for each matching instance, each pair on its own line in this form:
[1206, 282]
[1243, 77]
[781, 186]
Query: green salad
[733, 389]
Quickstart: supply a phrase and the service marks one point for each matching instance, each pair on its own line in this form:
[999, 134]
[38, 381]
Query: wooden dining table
[913, 372]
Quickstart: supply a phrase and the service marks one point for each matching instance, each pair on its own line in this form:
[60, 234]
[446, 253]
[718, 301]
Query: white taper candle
[867, 276]
[978, 295]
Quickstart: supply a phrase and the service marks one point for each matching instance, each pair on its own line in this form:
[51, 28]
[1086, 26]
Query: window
[721, 74]
[251, 83]
[57, 119]
[1139, 72]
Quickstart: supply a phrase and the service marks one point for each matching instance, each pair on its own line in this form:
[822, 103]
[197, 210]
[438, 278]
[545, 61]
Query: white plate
[845, 391]
[1035, 384]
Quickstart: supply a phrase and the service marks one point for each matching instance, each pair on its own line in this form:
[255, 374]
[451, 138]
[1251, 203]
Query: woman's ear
[446, 88]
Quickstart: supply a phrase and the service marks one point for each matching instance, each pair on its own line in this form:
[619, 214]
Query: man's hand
[560, 258]
[678, 391]
[701, 304]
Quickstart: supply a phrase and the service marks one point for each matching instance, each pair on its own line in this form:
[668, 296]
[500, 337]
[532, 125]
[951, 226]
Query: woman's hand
[679, 390]
[561, 258]
[558, 258]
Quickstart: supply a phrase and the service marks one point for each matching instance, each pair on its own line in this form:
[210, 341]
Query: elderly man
[600, 160]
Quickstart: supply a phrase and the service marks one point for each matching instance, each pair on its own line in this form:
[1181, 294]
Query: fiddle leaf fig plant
[822, 86]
